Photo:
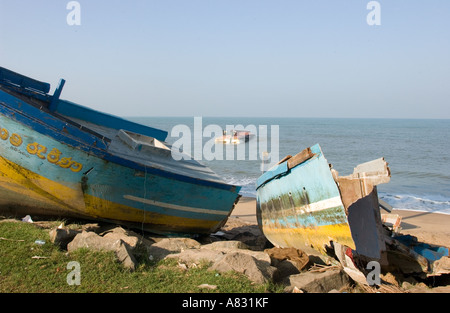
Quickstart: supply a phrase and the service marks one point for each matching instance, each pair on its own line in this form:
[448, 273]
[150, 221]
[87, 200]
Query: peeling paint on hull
[301, 207]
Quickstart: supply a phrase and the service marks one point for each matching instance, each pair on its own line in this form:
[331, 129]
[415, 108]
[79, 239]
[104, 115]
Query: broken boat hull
[303, 203]
[50, 165]
[299, 204]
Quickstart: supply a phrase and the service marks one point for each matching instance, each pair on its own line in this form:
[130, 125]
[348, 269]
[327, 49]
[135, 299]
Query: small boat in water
[303, 203]
[236, 137]
[58, 158]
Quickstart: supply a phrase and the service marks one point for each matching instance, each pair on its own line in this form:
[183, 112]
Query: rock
[318, 282]
[96, 242]
[296, 290]
[299, 258]
[90, 240]
[125, 256]
[95, 227]
[228, 244]
[197, 256]
[62, 236]
[389, 278]
[288, 261]
[119, 233]
[215, 252]
[248, 233]
[285, 268]
[256, 270]
[236, 246]
[442, 266]
[166, 246]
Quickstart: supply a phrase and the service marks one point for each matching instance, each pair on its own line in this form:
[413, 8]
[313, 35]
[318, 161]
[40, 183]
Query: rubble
[256, 270]
[239, 247]
[318, 282]
[93, 241]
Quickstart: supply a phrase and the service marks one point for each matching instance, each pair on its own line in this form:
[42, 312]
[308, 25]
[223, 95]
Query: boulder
[318, 282]
[91, 240]
[256, 270]
[166, 246]
[61, 236]
[96, 242]
[245, 232]
[288, 261]
[196, 256]
[285, 268]
[119, 233]
[277, 255]
[227, 244]
[125, 256]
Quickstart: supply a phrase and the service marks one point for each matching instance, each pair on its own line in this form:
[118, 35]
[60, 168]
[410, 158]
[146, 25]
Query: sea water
[417, 150]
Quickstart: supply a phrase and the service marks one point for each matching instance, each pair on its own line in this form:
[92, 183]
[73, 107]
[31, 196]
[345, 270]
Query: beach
[431, 228]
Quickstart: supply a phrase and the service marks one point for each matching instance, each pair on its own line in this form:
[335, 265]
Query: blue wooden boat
[59, 158]
[303, 203]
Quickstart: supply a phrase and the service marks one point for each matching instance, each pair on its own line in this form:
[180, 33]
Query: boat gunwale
[21, 116]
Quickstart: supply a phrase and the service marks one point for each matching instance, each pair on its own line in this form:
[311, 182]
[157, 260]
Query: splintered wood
[360, 199]
[363, 180]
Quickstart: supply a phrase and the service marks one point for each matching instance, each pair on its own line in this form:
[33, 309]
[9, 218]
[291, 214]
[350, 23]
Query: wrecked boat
[58, 158]
[303, 203]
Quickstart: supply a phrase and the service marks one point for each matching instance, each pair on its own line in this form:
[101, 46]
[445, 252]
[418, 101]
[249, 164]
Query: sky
[237, 58]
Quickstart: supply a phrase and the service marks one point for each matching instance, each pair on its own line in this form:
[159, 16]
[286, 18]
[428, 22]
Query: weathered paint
[301, 206]
[50, 166]
[80, 112]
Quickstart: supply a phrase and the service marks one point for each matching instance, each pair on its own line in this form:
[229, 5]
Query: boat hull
[45, 171]
[299, 205]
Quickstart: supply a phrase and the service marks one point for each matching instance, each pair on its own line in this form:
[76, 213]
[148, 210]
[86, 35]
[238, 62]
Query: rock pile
[238, 246]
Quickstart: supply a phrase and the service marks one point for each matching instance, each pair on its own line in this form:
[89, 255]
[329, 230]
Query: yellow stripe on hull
[39, 189]
[100, 208]
[310, 238]
[42, 196]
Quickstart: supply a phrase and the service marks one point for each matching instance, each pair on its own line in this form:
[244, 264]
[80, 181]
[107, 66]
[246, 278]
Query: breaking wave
[248, 185]
[426, 203]
[431, 203]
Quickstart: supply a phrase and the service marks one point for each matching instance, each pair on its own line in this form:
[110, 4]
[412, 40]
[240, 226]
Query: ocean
[417, 150]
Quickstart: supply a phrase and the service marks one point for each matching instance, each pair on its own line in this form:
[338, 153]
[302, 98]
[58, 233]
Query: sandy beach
[432, 228]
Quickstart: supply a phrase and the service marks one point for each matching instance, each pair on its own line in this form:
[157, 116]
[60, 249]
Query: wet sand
[432, 228]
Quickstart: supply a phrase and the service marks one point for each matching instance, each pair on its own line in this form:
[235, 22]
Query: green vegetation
[28, 267]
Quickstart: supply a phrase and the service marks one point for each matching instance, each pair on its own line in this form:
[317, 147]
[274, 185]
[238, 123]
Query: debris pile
[241, 247]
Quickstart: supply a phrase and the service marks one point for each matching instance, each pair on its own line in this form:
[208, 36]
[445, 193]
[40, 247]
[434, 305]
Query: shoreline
[428, 227]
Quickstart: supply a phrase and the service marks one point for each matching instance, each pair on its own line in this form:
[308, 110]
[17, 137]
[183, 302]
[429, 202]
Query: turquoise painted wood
[301, 206]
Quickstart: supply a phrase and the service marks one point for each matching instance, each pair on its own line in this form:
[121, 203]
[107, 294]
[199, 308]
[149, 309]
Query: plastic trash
[40, 242]
[27, 219]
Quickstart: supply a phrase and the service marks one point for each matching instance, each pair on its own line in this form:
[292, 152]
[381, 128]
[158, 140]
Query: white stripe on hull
[174, 206]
